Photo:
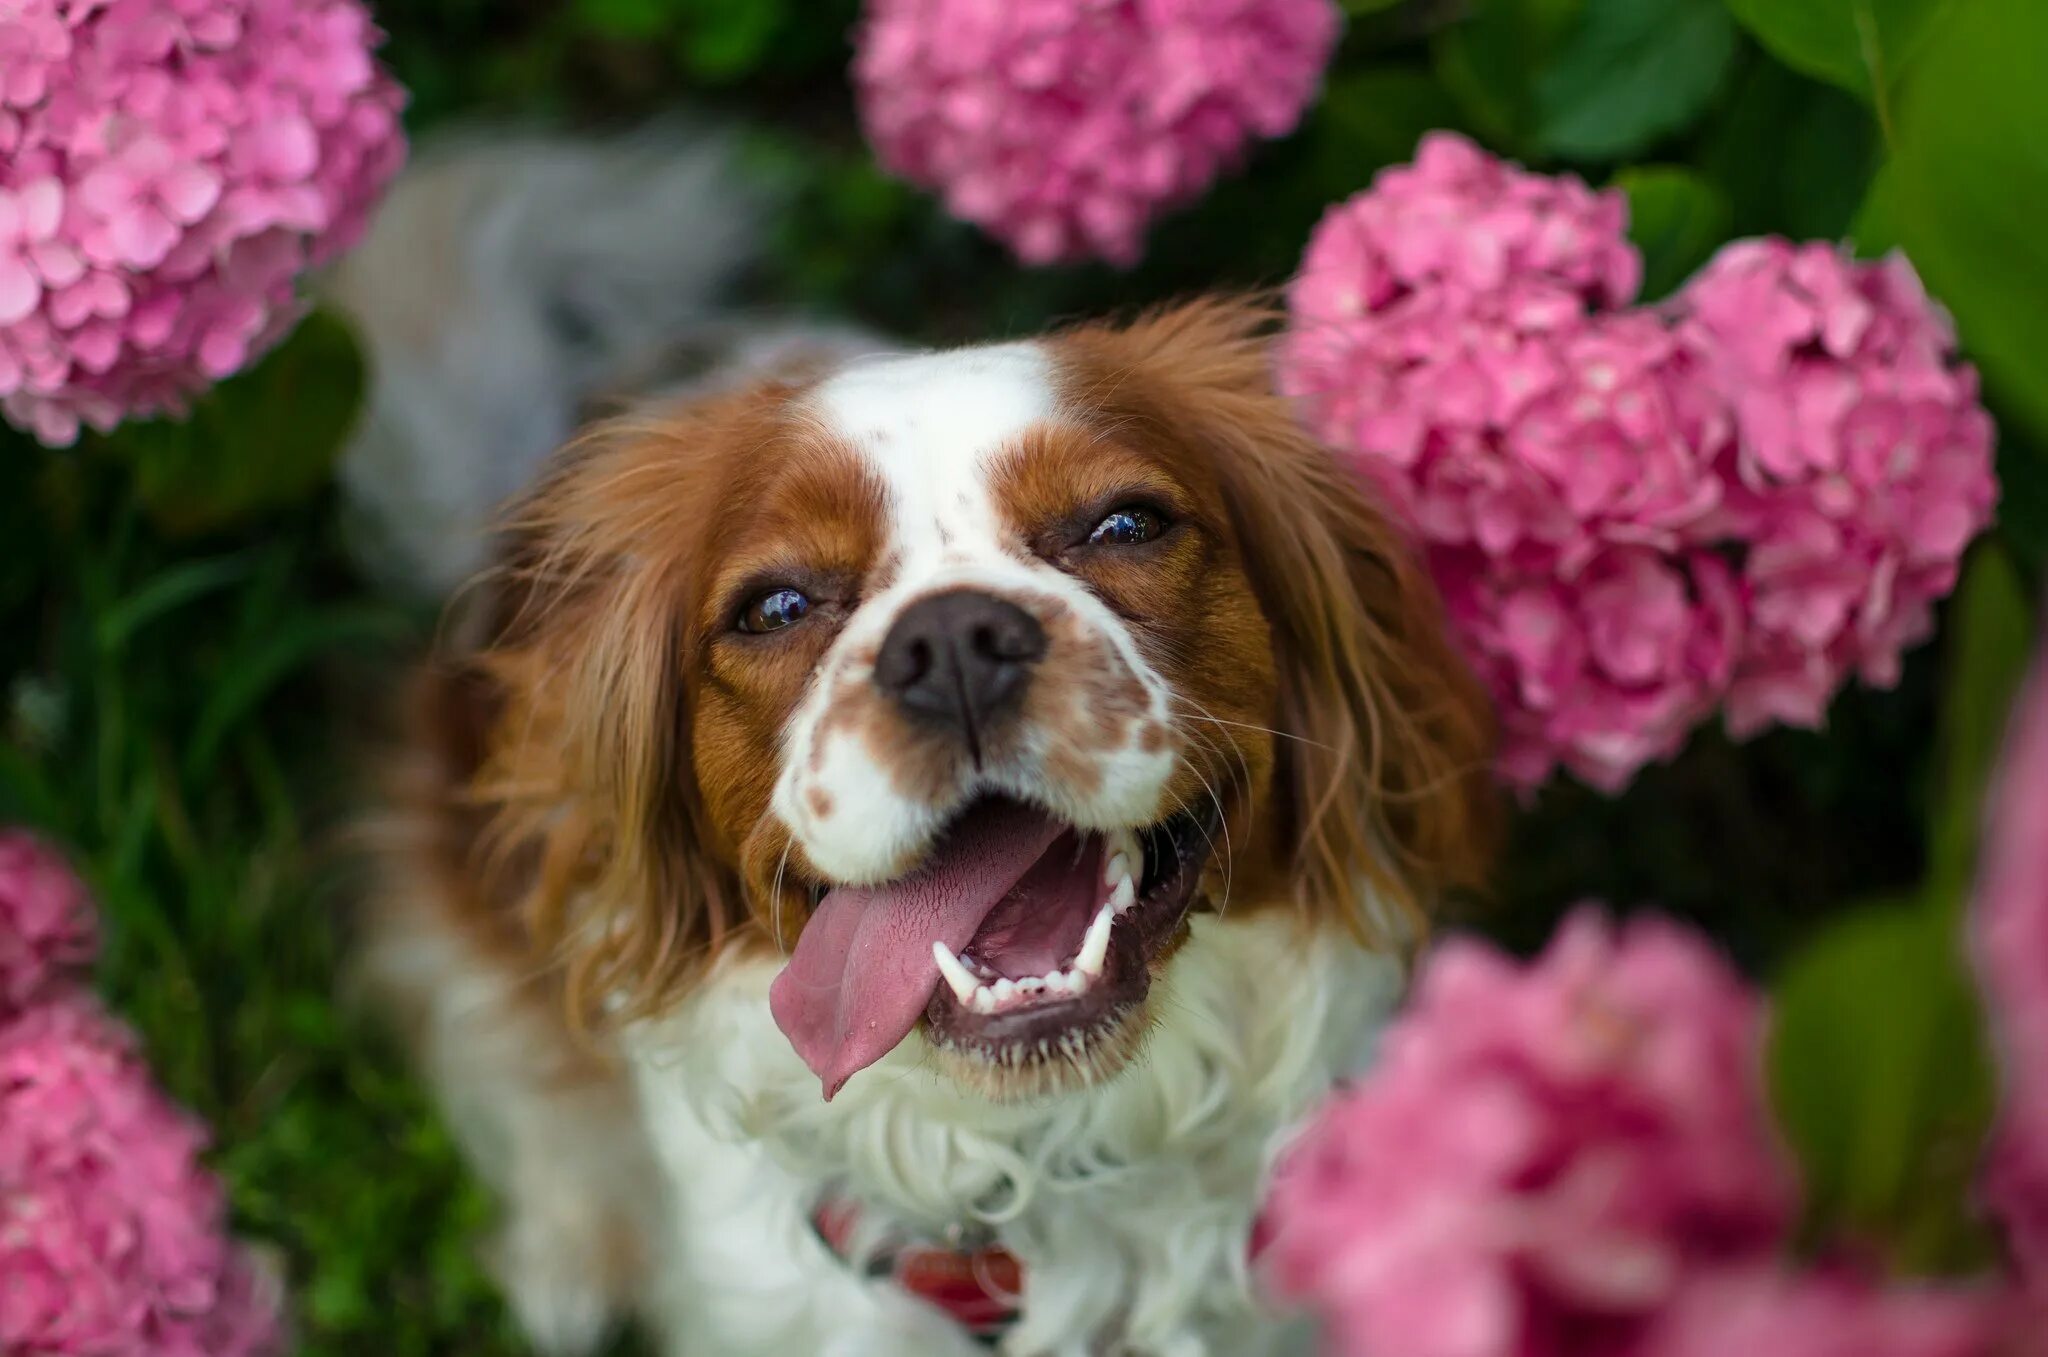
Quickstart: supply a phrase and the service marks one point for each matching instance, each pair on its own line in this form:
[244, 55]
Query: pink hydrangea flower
[167, 170]
[47, 929]
[1860, 471]
[1063, 127]
[1541, 1156]
[1553, 461]
[1639, 516]
[111, 1231]
[1763, 1313]
[2010, 940]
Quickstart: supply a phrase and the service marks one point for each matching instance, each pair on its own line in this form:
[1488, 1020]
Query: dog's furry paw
[565, 1301]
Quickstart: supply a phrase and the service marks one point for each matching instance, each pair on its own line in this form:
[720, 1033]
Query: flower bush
[1063, 127]
[1859, 471]
[1541, 1156]
[167, 170]
[1767, 1313]
[1575, 1158]
[1638, 517]
[112, 1237]
[47, 929]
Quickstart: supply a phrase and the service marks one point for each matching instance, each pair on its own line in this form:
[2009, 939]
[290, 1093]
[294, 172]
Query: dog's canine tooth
[956, 974]
[1122, 898]
[1095, 946]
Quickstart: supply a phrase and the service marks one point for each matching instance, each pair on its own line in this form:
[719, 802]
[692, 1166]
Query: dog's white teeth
[1004, 989]
[1066, 982]
[961, 980]
[1124, 859]
[1031, 984]
[984, 1000]
[1122, 898]
[1095, 946]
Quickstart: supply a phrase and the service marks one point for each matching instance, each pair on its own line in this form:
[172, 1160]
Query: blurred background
[191, 661]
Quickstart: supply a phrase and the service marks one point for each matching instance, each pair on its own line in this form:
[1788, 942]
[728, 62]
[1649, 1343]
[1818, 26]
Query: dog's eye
[1126, 527]
[773, 610]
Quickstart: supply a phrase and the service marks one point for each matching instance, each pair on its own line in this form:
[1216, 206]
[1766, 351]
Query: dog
[888, 852]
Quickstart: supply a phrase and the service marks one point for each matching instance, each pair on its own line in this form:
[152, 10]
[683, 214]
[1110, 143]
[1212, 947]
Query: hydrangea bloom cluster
[1765, 1313]
[167, 169]
[2010, 927]
[1860, 469]
[1063, 127]
[111, 1230]
[1638, 516]
[47, 930]
[1541, 1157]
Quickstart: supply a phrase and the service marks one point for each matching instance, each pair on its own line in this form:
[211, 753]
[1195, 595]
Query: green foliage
[1883, 1087]
[1971, 169]
[1488, 63]
[1634, 71]
[1990, 638]
[1861, 45]
[1676, 218]
[261, 440]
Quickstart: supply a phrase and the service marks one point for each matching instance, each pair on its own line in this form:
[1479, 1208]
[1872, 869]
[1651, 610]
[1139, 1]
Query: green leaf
[1990, 632]
[1883, 1087]
[1875, 232]
[1368, 6]
[626, 19]
[1676, 218]
[176, 587]
[1371, 119]
[1633, 72]
[726, 40]
[1970, 162]
[1861, 45]
[261, 439]
[280, 654]
[1487, 63]
[1794, 156]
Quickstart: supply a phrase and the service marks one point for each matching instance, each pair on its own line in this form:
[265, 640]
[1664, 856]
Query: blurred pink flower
[167, 169]
[111, 1231]
[1860, 471]
[2010, 941]
[1063, 127]
[47, 930]
[1763, 1313]
[1638, 516]
[1541, 1156]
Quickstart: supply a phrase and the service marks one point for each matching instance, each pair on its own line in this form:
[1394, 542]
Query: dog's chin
[1042, 1040]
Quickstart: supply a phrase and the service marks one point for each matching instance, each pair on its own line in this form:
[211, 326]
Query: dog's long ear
[596, 821]
[1385, 782]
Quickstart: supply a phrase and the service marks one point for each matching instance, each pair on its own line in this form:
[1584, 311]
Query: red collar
[981, 1289]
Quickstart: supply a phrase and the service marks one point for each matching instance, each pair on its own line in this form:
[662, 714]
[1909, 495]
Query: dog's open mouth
[1018, 939]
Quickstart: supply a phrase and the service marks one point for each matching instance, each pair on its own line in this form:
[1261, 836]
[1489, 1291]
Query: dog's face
[962, 680]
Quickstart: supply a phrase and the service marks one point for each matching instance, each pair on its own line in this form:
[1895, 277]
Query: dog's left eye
[1127, 526]
[773, 610]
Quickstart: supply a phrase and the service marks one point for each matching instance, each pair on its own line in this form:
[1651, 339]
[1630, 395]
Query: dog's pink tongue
[862, 970]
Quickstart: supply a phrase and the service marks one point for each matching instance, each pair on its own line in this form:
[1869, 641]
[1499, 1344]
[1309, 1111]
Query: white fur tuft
[1129, 1204]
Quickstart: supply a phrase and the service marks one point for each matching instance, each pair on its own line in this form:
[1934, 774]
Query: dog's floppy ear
[596, 823]
[1386, 779]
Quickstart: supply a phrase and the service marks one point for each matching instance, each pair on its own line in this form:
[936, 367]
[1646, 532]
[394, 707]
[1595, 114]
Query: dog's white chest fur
[1129, 1204]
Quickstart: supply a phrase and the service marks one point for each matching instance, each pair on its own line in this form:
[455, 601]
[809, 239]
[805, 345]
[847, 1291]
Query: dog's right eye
[773, 610]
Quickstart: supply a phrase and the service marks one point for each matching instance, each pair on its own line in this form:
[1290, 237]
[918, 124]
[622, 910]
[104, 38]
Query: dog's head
[961, 680]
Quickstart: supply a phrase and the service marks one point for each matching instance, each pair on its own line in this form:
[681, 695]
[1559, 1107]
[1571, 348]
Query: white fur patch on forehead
[931, 423]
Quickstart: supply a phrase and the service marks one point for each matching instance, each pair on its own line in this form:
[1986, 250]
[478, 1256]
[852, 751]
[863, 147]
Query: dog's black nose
[960, 659]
